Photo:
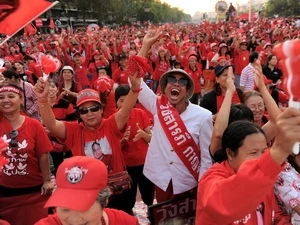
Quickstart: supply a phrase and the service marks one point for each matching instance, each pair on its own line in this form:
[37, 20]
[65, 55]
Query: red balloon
[48, 64]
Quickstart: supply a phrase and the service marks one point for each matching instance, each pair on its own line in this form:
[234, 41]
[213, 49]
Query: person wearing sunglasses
[79, 137]
[179, 127]
[25, 180]
[240, 58]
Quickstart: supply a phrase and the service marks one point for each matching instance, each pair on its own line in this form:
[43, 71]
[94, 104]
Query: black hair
[11, 74]
[122, 90]
[253, 56]
[102, 68]
[28, 57]
[240, 112]
[269, 58]
[234, 136]
[53, 81]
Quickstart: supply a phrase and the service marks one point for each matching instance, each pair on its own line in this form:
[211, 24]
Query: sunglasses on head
[85, 110]
[182, 81]
[13, 142]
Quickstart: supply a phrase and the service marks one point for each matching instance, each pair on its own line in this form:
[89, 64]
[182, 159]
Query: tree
[284, 8]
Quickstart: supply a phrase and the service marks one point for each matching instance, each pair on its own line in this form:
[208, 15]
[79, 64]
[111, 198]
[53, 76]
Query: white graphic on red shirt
[17, 162]
[245, 220]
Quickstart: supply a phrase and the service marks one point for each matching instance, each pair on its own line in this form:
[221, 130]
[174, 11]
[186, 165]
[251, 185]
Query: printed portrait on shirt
[99, 149]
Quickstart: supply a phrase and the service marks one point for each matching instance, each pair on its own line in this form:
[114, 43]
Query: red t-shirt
[196, 75]
[134, 152]
[93, 68]
[160, 68]
[115, 217]
[204, 49]
[23, 168]
[220, 99]
[148, 113]
[110, 107]
[107, 138]
[119, 76]
[241, 60]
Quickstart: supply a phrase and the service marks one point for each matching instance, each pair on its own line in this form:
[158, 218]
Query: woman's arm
[272, 108]
[45, 170]
[123, 114]
[221, 121]
[56, 127]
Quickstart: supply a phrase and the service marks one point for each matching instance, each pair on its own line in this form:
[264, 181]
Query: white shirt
[247, 78]
[161, 163]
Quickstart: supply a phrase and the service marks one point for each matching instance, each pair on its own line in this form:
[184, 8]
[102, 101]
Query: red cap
[79, 180]
[87, 95]
[103, 84]
[96, 52]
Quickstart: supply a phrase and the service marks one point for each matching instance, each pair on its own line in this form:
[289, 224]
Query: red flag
[38, 22]
[29, 29]
[23, 13]
[51, 25]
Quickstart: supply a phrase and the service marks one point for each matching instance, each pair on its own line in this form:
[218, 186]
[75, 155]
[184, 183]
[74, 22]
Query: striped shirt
[247, 78]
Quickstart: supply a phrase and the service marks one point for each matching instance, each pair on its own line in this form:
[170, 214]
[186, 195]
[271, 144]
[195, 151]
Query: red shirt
[196, 75]
[107, 135]
[115, 217]
[241, 60]
[134, 152]
[119, 76]
[231, 198]
[110, 107]
[93, 68]
[81, 71]
[23, 168]
[204, 49]
[160, 68]
[220, 99]
[36, 69]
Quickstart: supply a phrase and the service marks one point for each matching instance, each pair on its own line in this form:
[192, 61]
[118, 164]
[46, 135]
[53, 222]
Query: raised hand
[151, 36]
[139, 134]
[41, 88]
[230, 80]
[259, 77]
[287, 130]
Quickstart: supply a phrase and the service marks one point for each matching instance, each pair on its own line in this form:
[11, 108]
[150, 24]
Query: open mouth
[174, 93]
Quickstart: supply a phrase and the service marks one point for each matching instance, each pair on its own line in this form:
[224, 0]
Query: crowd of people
[180, 108]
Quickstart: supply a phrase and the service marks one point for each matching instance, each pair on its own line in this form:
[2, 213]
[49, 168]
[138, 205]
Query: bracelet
[137, 90]
[43, 101]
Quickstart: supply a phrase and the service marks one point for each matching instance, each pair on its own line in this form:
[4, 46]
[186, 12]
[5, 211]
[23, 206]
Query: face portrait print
[97, 151]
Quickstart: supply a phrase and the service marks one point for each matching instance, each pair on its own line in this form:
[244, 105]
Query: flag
[38, 22]
[51, 24]
[22, 13]
[29, 29]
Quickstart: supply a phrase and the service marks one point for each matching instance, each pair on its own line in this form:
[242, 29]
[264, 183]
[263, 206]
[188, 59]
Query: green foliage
[124, 11]
[284, 8]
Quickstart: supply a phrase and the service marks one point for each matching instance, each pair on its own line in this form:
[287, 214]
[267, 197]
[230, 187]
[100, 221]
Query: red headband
[10, 89]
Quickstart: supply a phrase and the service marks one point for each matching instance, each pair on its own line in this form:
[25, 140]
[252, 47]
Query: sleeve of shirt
[204, 140]
[221, 193]
[147, 98]
[243, 80]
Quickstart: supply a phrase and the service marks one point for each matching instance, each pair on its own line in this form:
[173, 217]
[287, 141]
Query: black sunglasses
[13, 135]
[182, 81]
[85, 110]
